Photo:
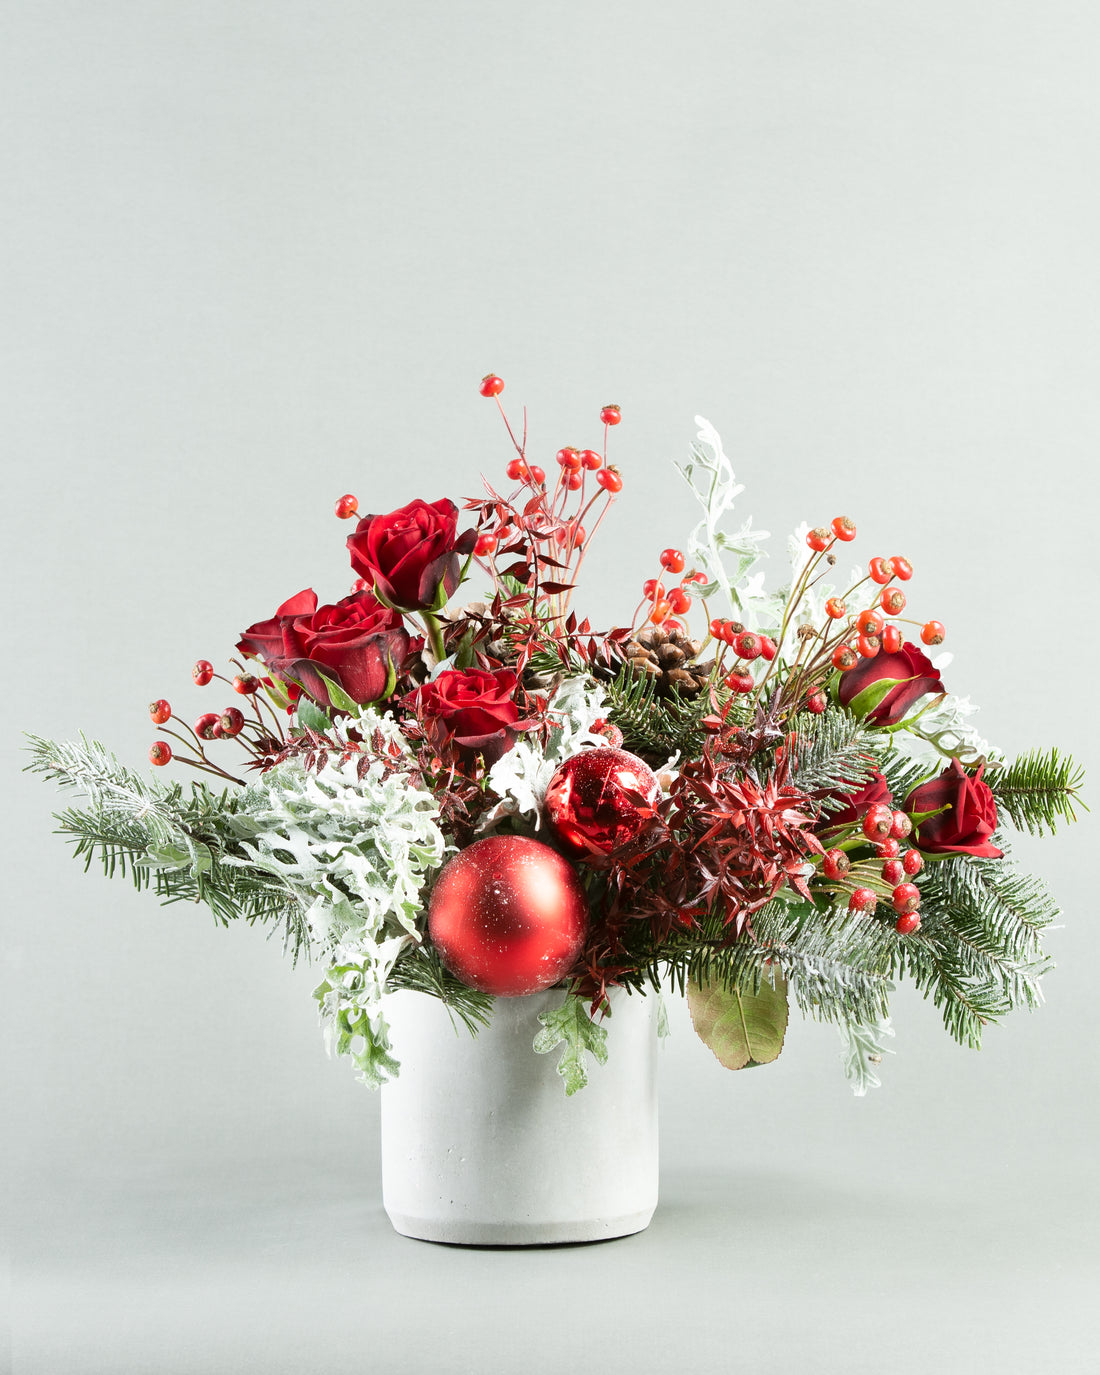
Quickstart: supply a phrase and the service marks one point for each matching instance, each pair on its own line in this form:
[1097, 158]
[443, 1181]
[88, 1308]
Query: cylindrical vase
[481, 1146]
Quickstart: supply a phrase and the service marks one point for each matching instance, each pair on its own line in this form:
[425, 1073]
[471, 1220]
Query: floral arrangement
[449, 781]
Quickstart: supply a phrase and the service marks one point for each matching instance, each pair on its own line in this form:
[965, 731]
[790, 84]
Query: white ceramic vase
[481, 1146]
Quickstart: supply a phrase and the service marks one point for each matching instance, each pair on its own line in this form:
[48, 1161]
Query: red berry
[932, 632]
[347, 506]
[903, 569]
[505, 534]
[362, 585]
[816, 701]
[246, 684]
[892, 601]
[906, 897]
[836, 608]
[900, 826]
[538, 473]
[700, 579]
[844, 658]
[159, 711]
[679, 600]
[204, 726]
[673, 626]
[202, 672]
[517, 469]
[843, 528]
[574, 481]
[232, 721]
[160, 752]
[610, 415]
[609, 479]
[747, 645]
[569, 458]
[869, 622]
[868, 646]
[891, 639]
[672, 561]
[876, 824]
[768, 648]
[653, 588]
[863, 900]
[661, 611]
[907, 923]
[835, 864]
[913, 862]
[486, 543]
[491, 385]
[591, 460]
[888, 848]
[818, 538]
[717, 628]
[739, 681]
[892, 872]
[879, 571]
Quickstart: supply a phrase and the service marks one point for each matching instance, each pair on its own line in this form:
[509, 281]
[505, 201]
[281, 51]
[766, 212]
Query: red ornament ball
[508, 915]
[600, 801]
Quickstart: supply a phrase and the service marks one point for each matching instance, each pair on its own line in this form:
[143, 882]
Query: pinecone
[671, 660]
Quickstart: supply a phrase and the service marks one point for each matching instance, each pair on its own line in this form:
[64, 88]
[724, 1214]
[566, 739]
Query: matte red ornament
[508, 915]
[600, 801]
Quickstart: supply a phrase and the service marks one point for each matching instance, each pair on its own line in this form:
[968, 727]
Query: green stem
[435, 635]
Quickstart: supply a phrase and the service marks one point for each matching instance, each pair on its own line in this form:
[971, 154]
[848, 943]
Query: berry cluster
[541, 513]
[666, 603]
[261, 738]
[884, 830]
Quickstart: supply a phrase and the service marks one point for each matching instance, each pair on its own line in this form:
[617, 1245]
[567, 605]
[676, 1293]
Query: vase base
[465, 1232]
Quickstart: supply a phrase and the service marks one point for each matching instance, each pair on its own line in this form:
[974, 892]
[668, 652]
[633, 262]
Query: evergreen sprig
[1038, 791]
[419, 969]
[651, 725]
[830, 751]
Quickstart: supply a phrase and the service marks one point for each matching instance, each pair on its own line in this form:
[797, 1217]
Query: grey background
[259, 254]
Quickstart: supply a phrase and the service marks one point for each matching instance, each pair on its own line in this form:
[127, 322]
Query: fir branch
[830, 752]
[655, 726]
[1038, 790]
[420, 970]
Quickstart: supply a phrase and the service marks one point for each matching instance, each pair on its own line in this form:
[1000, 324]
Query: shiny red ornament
[508, 915]
[600, 801]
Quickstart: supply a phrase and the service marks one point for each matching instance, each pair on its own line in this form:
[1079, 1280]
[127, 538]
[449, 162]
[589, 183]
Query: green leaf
[572, 1025]
[337, 696]
[740, 1027]
[311, 715]
[863, 703]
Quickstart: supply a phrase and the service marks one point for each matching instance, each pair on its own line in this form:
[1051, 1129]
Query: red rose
[264, 640]
[857, 801]
[358, 644]
[411, 555]
[970, 819]
[473, 708]
[916, 678]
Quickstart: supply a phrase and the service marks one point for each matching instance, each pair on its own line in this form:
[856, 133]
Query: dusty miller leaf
[741, 1028]
[571, 1023]
[864, 1046]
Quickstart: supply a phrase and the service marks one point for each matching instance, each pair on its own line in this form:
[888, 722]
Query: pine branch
[1038, 790]
[652, 725]
[831, 751]
[419, 969]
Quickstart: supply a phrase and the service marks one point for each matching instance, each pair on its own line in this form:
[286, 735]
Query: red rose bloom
[916, 678]
[264, 640]
[473, 709]
[857, 801]
[358, 644]
[411, 555]
[970, 819]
